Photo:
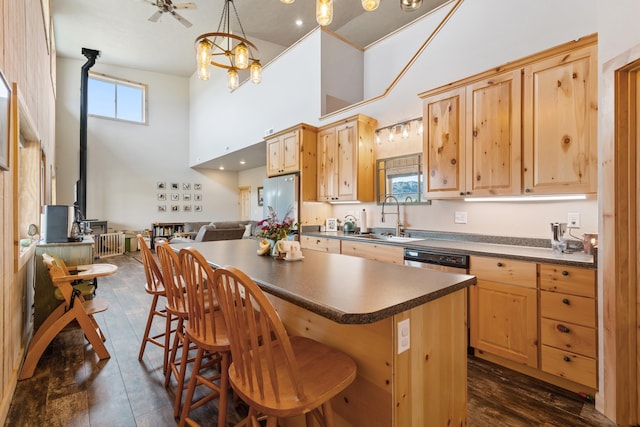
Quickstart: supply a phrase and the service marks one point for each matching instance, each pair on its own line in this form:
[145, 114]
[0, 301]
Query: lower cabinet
[568, 331]
[503, 309]
[321, 244]
[541, 317]
[376, 252]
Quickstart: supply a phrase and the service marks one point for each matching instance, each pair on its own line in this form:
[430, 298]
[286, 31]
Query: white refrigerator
[282, 194]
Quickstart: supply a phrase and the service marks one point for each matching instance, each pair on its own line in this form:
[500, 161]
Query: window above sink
[402, 178]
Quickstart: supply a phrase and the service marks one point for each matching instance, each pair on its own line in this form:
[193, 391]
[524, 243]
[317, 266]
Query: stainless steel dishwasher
[436, 260]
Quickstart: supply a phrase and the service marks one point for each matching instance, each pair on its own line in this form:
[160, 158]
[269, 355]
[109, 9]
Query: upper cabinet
[346, 160]
[291, 150]
[472, 139]
[560, 123]
[530, 128]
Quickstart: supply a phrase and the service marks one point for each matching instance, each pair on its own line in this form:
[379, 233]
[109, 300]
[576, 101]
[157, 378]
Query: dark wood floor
[71, 388]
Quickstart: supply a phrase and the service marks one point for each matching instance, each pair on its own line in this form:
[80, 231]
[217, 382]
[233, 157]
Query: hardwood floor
[71, 388]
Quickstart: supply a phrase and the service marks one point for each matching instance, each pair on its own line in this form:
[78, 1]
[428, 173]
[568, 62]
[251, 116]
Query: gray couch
[218, 230]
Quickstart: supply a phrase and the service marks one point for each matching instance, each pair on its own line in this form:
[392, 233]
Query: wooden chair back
[259, 342]
[204, 326]
[172, 278]
[57, 268]
[152, 272]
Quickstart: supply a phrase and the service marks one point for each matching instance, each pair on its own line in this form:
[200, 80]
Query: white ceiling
[121, 31]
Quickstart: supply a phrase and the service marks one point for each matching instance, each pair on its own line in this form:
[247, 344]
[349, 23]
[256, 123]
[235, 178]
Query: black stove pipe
[81, 195]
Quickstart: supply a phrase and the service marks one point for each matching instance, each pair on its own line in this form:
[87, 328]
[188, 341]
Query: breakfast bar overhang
[355, 304]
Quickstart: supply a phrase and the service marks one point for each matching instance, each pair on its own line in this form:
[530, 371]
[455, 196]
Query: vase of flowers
[273, 230]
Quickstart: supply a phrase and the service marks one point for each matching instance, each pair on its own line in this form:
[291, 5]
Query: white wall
[342, 70]
[125, 161]
[253, 178]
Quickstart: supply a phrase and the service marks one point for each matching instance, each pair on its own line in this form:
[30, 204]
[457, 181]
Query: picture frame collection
[176, 192]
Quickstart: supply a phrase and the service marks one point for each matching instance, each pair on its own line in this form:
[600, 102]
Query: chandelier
[324, 8]
[229, 51]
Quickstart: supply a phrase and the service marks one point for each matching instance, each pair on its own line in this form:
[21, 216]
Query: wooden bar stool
[277, 376]
[206, 329]
[73, 307]
[154, 287]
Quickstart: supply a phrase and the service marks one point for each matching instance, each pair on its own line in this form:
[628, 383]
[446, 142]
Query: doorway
[244, 203]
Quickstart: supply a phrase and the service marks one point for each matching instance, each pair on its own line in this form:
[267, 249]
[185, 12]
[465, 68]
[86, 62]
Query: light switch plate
[404, 336]
[460, 218]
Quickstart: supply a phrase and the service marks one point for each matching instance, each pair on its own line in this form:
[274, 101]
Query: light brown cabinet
[376, 252]
[292, 150]
[529, 129]
[560, 123]
[346, 162]
[321, 244]
[472, 139]
[503, 309]
[568, 323]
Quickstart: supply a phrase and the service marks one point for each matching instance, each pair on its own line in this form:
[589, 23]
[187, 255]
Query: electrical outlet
[460, 218]
[404, 336]
[573, 220]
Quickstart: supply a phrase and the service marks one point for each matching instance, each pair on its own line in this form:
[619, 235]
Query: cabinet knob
[527, 190]
[566, 358]
[318, 242]
[565, 273]
[566, 301]
[500, 264]
[563, 329]
[462, 193]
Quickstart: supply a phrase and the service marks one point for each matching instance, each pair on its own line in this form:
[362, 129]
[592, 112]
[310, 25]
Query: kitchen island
[356, 304]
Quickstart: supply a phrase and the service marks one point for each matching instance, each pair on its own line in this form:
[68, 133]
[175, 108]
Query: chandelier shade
[370, 5]
[232, 52]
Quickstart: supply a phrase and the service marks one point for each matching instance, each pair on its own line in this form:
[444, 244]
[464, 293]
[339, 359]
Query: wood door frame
[618, 263]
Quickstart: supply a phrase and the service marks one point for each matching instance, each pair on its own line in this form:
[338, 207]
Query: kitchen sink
[386, 238]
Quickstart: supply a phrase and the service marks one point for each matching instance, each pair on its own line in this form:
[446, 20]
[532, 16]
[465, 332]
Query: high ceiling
[121, 31]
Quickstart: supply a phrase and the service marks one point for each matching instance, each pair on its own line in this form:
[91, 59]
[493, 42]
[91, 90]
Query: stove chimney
[81, 195]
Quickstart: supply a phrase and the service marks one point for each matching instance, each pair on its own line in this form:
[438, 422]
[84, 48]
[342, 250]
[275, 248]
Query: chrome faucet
[397, 213]
[408, 199]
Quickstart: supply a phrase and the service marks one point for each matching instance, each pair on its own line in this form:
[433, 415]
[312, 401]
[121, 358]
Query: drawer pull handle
[566, 358]
[565, 273]
[317, 242]
[566, 301]
[563, 329]
[499, 264]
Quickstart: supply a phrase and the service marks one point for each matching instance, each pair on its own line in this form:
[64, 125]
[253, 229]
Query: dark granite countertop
[342, 288]
[491, 247]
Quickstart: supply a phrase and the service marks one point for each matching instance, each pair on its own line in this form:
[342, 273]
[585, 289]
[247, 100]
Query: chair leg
[178, 338]
[193, 382]
[153, 311]
[224, 390]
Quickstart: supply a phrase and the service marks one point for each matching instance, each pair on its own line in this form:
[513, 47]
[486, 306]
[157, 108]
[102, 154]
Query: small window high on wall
[117, 99]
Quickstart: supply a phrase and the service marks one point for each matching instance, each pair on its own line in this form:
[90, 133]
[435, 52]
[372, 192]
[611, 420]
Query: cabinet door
[347, 162]
[493, 143]
[320, 244]
[444, 144]
[383, 253]
[290, 152]
[503, 321]
[327, 164]
[274, 156]
[560, 119]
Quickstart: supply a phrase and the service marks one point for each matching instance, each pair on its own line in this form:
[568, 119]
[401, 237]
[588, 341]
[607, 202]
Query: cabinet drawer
[569, 365]
[384, 253]
[569, 337]
[320, 244]
[568, 308]
[569, 280]
[501, 270]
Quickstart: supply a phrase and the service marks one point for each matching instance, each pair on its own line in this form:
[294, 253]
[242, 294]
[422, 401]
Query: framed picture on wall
[332, 224]
[197, 197]
[5, 111]
[162, 196]
[161, 185]
[162, 208]
[197, 187]
[197, 208]
[260, 196]
[175, 186]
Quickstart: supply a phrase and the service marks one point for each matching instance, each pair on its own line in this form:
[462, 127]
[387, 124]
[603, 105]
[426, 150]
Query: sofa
[205, 231]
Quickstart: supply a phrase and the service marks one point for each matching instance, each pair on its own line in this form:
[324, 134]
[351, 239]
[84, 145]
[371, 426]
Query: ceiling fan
[166, 6]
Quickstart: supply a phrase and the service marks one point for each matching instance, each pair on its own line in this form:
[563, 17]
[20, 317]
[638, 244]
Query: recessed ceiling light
[299, 22]
[242, 162]
[221, 168]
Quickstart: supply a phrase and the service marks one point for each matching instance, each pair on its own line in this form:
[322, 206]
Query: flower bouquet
[272, 230]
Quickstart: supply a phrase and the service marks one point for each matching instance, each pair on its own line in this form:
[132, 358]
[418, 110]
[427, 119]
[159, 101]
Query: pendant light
[324, 12]
[226, 50]
[370, 5]
[410, 5]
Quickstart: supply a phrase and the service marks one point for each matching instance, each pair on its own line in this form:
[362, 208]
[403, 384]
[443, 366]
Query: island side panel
[368, 401]
[430, 381]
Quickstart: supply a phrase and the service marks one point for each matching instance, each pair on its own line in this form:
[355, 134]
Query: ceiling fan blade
[189, 5]
[155, 16]
[181, 19]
